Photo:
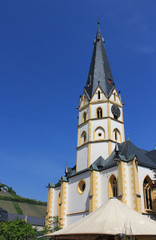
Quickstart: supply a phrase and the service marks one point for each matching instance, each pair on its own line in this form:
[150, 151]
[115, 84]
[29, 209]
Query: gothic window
[112, 187]
[99, 133]
[114, 96]
[83, 137]
[99, 112]
[84, 117]
[99, 95]
[116, 135]
[147, 190]
[84, 99]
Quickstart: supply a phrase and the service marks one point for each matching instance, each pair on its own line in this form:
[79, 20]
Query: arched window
[147, 190]
[99, 112]
[99, 133]
[84, 117]
[116, 135]
[114, 96]
[99, 95]
[83, 137]
[84, 99]
[112, 186]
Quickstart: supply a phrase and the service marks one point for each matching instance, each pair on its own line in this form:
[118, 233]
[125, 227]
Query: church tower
[106, 165]
[100, 123]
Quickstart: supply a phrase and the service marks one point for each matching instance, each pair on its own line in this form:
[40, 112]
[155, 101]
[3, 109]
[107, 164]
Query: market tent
[112, 218]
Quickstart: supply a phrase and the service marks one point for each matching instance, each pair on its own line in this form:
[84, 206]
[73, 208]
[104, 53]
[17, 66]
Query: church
[106, 165]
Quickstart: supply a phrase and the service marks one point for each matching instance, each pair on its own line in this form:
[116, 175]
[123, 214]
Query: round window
[99, 134]
[81, 186]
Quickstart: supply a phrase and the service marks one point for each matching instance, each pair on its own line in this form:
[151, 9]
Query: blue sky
[45, 53]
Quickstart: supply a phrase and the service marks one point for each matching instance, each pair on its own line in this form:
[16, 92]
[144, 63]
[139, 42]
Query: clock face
[116, 111]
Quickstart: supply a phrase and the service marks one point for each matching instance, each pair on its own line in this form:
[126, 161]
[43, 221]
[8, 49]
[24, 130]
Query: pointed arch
[99, 112]
[117, 135]
[83, 138]
[112, 186]
[84, 99]
[99, 94]
[114, 96]
[148, 193]
[99, 133]
[84, 117]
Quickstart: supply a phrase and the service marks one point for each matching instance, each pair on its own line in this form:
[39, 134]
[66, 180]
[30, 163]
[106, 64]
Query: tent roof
[112, 218]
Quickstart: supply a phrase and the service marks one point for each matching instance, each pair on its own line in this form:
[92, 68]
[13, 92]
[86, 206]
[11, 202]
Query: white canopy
[112, 218]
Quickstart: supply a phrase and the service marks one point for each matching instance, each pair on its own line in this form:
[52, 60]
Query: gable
[98, 95]
[114, 97]
[84, 100]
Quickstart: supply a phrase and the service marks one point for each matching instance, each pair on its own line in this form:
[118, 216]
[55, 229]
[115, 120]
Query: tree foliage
[17, 230]
[52, 225]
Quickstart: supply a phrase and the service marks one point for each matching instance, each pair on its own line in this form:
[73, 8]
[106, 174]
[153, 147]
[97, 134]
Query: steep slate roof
[126, 151]
[108, 163]
[99, 72]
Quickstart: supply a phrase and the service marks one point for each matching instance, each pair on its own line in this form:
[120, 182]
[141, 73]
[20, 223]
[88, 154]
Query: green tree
[17, 230]
[53, 225]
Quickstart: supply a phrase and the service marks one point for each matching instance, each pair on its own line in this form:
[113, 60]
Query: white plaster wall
[82, 128]
[95, 96]
[142, 173]
[99, 149]
[55, 201]
[104, 179]
[113, 146]
[75, 217]
[94, 108]
[99, 123]
[82, 154]
[78, 202]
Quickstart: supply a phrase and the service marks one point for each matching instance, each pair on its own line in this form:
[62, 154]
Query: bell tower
[100, 123]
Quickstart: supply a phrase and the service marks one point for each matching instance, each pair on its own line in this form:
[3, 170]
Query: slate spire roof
[99, 72]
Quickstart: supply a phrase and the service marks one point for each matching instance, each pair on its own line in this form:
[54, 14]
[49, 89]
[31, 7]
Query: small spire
[98, 19]
[128, 137]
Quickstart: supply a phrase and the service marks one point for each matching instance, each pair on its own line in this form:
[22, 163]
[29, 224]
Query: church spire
[99, 72]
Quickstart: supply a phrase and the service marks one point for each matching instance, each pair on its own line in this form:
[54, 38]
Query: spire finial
[98, 19]
[128, 137]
